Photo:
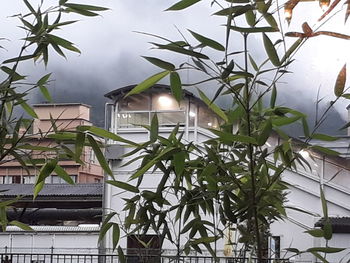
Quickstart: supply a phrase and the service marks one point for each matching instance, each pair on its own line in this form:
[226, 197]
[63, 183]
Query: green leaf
[19, 59]
[160, 63]
[99, 155]
[182, 50]
[207, 41]
[324, 150]
[229, 137]
[105, 134]
[252, 62]
[154, 128]
[319, 257]
[293, 250]
[121, 256]
[62, 42]
[250, 17]
[45, 93]
[271, 51]
[328, 230]
[46, 170]
[291, 50]
[103, 230]
[271, 20]
[183, 4]
[148, 83]
[21, 225]
[28, 109]
[325, 249]
[315, 232]
[79, 144]
[29, 7]
[265, 132]
[324, 137]
[43, 80]
[282, 121]
[14, 75]
[152, 162]
[124, 186]
[212, 106]
[176, 86]
[253, 29]
[179, 162]
[305, 127]
[340, 82]
[273, 96]
[86, 7]
[115, 235]
[63, 174]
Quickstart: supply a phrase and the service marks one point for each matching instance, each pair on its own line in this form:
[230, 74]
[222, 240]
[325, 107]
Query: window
[137, 253]
[275, 247]
[16, 179]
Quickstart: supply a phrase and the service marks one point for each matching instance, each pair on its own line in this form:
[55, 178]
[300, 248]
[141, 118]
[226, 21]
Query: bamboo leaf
[160, 63]
[183, 4]
[154, 128]
[124, 186]
[21, 225]
[324, 137]
[324, 150]
[325, 249]
[43, 80]
[207, 41]
[63, 174]
[105, 134]
[149, 82]
[253, 29]
[340, 82]
[176, 86]
[86, 7]
[99, 155]
[45, 93]
[315, 232]
[212, 106]
[121, 256]
[181, 50]
[271, 51]
[115, 235]
[28, 109]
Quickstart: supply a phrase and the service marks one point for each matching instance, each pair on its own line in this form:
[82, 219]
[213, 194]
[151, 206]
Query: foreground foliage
[40, 24]
[232, 181]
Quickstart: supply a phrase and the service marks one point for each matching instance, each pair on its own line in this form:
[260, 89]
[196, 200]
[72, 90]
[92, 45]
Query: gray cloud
[111, 52]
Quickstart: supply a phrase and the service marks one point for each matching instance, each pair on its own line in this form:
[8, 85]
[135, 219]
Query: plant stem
[251, 155]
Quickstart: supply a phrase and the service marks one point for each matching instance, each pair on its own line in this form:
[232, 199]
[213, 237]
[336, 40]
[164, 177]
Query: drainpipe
[105, 192]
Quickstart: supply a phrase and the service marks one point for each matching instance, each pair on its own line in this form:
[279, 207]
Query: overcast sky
[111, 50]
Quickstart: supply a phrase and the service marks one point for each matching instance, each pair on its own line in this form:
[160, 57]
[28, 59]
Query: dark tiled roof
[339, 224]
[52, 190]
[117, 93]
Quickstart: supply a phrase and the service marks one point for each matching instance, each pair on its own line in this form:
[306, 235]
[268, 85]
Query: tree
[40, 25]
[235, 174]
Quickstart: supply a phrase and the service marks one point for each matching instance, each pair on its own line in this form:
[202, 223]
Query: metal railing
[99, 258]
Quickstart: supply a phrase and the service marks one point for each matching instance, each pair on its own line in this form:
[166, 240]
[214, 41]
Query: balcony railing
[99, 258]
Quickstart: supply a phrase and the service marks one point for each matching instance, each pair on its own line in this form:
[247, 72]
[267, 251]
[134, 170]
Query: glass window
[170, 119]
[137, 102]
[165, 102]
[192, 114]
[206, 118]
[132, 119]
[16, 179]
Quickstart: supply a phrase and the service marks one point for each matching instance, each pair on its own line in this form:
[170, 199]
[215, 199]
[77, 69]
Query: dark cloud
[111, 53]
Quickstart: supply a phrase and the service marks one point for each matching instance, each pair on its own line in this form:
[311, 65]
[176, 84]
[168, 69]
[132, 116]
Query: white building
[127, 115]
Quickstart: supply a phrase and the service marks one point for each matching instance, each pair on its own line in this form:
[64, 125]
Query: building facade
[65, 116]
[128, 114]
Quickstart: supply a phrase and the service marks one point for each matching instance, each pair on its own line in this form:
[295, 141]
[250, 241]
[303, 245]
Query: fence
[98, 258]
